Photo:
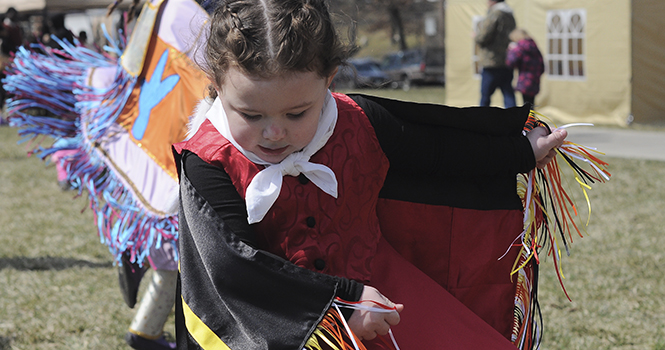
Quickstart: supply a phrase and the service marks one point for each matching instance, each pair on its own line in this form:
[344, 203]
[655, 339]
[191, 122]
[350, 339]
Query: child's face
[273, 118]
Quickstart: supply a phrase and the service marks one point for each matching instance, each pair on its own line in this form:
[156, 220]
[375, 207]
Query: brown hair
[267, 38]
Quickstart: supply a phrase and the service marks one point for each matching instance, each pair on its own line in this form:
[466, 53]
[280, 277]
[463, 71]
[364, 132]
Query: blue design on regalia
[152, 93]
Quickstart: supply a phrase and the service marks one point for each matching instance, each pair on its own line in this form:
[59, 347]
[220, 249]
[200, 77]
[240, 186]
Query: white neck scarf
[264, 188]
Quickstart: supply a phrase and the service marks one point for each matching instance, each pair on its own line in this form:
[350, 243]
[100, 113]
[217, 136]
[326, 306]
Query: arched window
[566, 44]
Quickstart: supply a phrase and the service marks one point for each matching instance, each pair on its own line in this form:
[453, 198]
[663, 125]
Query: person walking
[492, 40]
[524, 55]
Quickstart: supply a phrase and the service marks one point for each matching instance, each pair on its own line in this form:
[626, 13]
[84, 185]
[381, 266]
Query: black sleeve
[458, 157]
[247, 298]
[432, 140]
[214, 184]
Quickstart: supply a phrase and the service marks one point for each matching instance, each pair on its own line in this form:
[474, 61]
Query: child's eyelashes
[255, 117]
[295, 115]
[251, 117]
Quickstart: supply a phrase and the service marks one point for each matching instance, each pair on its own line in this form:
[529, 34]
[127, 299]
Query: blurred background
[605, 61]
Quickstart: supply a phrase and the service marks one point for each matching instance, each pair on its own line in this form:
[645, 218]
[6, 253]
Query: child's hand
[367, 324]
[544, 144]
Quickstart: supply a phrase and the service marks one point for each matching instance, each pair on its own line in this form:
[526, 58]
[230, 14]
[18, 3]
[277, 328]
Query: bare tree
[399, 17]
[396, 24]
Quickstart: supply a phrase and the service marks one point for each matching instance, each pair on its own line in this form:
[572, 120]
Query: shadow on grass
[5, 343]
[47, 263]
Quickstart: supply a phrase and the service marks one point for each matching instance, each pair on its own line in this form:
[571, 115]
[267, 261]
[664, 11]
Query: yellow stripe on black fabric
[204, 336]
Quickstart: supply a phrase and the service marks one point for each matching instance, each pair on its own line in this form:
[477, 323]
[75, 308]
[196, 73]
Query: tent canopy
[602, 95]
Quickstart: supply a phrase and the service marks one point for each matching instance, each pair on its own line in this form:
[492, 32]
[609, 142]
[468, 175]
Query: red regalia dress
[440, 260]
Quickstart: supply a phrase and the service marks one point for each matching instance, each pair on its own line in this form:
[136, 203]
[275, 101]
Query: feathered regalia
[123, 108]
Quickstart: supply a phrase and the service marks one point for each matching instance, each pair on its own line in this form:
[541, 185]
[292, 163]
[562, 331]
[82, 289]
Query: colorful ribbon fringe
[550, 216]
[334, 333]
[43, 79]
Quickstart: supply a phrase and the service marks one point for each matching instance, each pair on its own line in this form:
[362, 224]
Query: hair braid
[266, 38]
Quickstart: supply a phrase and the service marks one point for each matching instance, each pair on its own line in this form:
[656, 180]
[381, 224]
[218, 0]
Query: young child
[523, 54]
[296, 203]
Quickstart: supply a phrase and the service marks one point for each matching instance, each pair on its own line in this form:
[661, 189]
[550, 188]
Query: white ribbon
[264, 188]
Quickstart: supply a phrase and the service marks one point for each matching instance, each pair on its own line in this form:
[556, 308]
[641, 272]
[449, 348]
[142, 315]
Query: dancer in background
[123, 116]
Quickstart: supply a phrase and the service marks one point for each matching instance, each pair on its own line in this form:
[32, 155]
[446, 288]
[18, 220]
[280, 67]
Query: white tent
[605, 60]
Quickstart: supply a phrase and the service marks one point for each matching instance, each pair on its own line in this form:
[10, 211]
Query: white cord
[337, 304]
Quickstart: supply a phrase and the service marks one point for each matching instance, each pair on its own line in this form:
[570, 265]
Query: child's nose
[274, 132]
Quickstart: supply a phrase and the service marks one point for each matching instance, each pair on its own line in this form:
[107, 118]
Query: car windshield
[390, 61]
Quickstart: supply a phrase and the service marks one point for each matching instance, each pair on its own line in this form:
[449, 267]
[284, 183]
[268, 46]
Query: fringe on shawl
[550, 218]
[527, 321]
[331, 334]
[334, 333]
[53, 81]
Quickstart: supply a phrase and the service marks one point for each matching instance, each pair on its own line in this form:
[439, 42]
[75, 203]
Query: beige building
[604, 60]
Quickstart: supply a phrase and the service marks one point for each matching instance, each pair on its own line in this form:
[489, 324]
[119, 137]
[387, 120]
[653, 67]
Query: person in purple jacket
[523, 54]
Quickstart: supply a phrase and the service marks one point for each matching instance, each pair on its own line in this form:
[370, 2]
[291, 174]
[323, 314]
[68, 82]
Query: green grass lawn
[615, 274]
[59, 288]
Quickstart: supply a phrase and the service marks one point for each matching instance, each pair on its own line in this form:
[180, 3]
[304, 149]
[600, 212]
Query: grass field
[59, 289]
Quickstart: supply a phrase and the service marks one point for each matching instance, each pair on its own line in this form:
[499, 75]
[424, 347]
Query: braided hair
[268, 38]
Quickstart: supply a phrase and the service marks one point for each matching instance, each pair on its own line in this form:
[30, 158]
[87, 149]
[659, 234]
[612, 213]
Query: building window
[566, 33]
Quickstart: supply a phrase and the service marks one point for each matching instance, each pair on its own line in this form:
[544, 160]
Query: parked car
[360, 73]
[416, 66]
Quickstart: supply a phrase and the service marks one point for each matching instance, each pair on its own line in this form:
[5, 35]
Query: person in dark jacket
[492, 40]
[524, 55]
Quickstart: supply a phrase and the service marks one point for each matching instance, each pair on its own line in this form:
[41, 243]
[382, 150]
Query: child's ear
[214, 84]
[212, 92]
[331, 76]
